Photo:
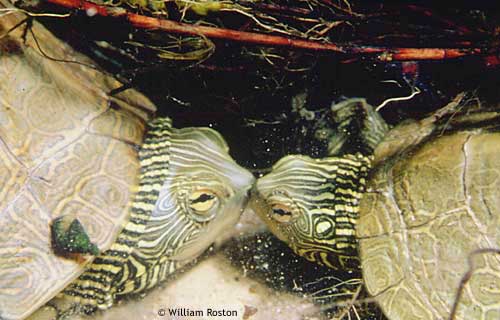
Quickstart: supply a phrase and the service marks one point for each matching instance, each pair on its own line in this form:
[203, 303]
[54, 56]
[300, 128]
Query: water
[265, 112]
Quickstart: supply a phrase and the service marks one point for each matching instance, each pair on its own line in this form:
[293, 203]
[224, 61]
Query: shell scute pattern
[12, 175]
[33, 131]
[380, 273]
[26, 255]
[483, 181]
[66, 183]
[122, 125]
[85, 161]
[435, 227]
[55, 153]
[406, 305]
[432, 163]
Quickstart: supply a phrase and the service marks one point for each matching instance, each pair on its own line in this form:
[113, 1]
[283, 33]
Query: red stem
[150, 23]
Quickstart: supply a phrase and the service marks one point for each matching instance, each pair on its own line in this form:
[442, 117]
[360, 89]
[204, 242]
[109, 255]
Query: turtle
[414, 208]
[98, 200]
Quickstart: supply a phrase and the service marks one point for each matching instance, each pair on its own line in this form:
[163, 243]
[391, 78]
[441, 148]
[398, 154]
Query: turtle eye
[202, 202]
[281, 213]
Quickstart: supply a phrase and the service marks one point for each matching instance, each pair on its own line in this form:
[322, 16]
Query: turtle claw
[69, 237]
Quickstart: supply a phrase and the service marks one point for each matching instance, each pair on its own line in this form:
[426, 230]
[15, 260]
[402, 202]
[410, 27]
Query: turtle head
[203, 194]
[312, 205]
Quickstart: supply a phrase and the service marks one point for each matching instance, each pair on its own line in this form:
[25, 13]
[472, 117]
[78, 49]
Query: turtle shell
[66, 147]
[429, 229]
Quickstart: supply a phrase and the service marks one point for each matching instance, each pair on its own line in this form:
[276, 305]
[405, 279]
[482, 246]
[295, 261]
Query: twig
[414, 92]
[339, 8]
[350, 304]
[379, 53]
[150, 23]
[33, 14]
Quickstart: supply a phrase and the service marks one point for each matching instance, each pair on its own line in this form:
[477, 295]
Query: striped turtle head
[312, 205]
[203, 193]
[190, 191]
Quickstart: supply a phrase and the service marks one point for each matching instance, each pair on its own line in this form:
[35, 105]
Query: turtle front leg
[359, 128]
[59, 308]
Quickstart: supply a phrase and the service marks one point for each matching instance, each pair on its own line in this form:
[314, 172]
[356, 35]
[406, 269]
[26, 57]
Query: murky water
[265, 111]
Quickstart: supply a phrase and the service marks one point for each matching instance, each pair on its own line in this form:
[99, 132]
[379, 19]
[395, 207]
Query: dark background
[247, 97]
